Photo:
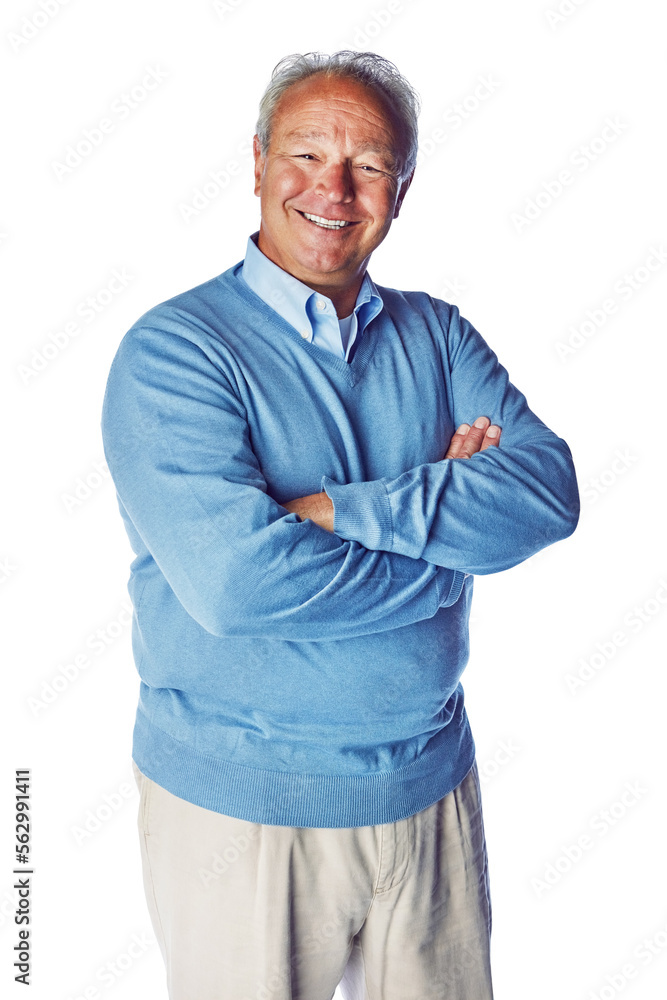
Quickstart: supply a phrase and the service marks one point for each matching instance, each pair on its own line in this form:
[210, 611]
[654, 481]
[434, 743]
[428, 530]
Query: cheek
[285, 184]
[382, 210]
[378, 200]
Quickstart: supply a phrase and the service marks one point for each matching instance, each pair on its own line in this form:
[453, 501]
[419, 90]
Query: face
[331, 156]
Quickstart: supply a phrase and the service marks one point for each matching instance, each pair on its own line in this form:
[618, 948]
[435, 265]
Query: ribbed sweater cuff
[451, 581]
[362, 512]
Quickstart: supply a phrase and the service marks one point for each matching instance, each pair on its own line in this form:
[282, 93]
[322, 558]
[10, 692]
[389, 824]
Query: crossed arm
[464, 443]
[193, 495]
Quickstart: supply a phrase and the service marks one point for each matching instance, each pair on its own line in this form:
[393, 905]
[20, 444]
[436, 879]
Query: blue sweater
[290, 675]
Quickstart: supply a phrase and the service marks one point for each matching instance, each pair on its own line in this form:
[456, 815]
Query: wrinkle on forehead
[367, 109]
[305, 113]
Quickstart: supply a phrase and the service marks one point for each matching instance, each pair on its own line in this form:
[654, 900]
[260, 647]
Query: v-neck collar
[352, 371]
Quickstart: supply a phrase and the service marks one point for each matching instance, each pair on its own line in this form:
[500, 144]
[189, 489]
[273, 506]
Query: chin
[322, 263]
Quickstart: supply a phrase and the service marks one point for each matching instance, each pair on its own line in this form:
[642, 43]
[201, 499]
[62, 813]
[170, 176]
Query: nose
[334, 183]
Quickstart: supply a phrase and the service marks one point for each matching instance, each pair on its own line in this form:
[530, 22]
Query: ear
[402, 193]
[259, 163]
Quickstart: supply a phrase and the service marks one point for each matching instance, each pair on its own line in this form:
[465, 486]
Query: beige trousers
[251, 911]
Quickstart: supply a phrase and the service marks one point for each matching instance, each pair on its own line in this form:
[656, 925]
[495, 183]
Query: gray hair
[398, 95]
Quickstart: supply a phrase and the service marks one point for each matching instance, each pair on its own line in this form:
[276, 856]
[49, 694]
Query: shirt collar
[290, 297]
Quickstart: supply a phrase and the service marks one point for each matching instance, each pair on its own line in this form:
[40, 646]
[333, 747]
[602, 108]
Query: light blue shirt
[312, 314]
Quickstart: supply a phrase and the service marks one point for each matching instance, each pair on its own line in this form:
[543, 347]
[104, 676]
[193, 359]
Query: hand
[317, 506]
[468, 440]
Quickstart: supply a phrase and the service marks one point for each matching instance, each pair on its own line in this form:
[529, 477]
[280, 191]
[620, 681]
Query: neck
[343, 298]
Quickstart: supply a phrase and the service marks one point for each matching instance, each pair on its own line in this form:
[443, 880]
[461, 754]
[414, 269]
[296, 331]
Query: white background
[551, 86]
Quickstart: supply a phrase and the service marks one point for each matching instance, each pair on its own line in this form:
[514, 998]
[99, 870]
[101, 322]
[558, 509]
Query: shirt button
[320, 304]
[304, 334]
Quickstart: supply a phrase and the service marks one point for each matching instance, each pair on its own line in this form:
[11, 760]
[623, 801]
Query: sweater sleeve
[177, 442]
[479, 515]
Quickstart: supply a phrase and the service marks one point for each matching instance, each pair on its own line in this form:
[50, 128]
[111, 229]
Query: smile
[326, 223]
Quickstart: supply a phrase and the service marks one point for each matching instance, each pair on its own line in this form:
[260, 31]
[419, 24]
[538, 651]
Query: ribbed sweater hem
[282, 798]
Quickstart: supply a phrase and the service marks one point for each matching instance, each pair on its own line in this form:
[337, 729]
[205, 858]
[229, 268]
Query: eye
[304, 155]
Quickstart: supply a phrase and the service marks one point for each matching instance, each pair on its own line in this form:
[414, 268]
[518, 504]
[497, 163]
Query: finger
[474, 437]
[492, 437]
[457, 441]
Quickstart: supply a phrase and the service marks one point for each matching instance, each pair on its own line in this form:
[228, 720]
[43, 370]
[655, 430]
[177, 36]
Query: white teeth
[326, 223]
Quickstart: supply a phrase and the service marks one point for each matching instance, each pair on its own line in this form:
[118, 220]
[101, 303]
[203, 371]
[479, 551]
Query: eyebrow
[367, 147]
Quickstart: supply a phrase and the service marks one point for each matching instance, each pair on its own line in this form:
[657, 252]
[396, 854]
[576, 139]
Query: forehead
[321, 104]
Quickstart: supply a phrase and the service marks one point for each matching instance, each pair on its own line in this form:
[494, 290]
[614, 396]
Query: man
[311, 468]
